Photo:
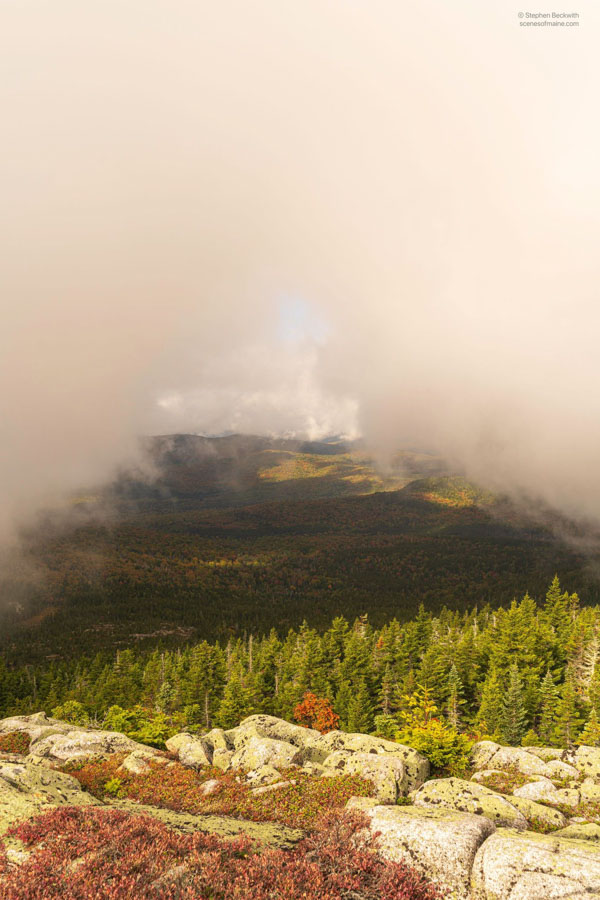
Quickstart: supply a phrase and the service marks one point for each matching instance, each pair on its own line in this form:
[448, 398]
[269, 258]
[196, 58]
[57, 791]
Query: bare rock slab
[439, 843]
[30, 788]
[385, 772]
[261, 751]
[469, 797]
[415, 765]
[511, 866]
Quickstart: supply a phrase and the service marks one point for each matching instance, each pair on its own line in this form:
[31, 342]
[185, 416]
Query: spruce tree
[567, 718]
[513, 716]
[548, 708]
[590, 736]
[455, 700]
[490, 708]
[360, 710]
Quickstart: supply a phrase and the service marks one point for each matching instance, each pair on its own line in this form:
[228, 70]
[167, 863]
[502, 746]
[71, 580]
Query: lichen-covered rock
[586, 760]
[558, 769]
[538, 814]
[482, 752]
[581, 831]
[210, 787]
[136, 765]
[512, 866]
[567, 797]
[259, 751]
[385, 772]
[273, 728]
[269, 788]
[517, 759]
[263, 775]
[30, 788]
[469, 797]
[138, 762]
[545, 753]
[484, 774]
[217, 740]
[415, 765]
[222, 759]
[79, 744]
[191, 750]
[489, 755]
[542, 790]
[36, 726]
[439, 843]
[589, 790]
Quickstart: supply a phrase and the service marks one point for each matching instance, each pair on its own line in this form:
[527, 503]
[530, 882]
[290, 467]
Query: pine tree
[567, 718]
[341, 704]
[360, 710]
[590, 736]
[455, 700]
[237, 703]
[387, 691]
[548, 708]
[490, 708]
[513, 716]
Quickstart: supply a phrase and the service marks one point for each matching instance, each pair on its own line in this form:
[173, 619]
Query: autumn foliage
[300, 804]
[99, 854]
[316, 712]
[15, 742]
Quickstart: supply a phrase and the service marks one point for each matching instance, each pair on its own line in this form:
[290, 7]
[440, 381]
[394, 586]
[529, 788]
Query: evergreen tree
[513, 716]
[548, 708]
[237, 703]
[590, 736]
[455, 700]
[360, 710]
[490, 707]
[567, 717]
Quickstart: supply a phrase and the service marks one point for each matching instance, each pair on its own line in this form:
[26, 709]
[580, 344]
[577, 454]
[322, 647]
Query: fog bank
[318, 217]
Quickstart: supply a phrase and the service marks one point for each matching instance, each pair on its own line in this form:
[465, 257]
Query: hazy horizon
[329, 217]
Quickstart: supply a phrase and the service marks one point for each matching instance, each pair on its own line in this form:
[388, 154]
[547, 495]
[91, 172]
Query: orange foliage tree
[316, 712]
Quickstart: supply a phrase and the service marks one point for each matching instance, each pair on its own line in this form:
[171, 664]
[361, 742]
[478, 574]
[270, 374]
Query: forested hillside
[233, 536]
[528, 672]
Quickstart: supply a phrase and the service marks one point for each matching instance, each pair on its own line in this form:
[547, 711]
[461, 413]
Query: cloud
[423, 178]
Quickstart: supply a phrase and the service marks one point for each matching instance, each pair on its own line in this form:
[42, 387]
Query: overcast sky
[376, 218]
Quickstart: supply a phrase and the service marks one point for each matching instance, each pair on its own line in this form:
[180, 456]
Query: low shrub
[504, 782]
[97, 854]
[15, 742]
[446, 749]
[179, 788]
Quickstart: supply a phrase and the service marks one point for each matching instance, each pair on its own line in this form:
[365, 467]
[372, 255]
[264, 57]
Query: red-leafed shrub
[15, 742]
[180, 788]
[316, 712]
[98, 854]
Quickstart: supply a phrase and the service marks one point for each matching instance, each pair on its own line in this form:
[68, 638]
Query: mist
[374, 219]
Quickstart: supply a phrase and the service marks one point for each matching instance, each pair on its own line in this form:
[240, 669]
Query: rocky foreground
[524, 826]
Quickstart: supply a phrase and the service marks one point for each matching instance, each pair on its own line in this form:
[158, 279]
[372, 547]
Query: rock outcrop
[29, 788]
[468, 796]
[437, 842]
[262, 740]
[61, 742]
[530, 866]
[525, 826]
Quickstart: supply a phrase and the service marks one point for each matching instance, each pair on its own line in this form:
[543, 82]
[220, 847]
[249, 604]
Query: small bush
[71, 711]
[114, 786]
[446, 749]
[15, 742]
[316, 712]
